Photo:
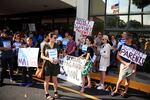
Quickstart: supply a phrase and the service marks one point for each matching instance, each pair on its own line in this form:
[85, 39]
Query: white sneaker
[101, 87]
[98, 84]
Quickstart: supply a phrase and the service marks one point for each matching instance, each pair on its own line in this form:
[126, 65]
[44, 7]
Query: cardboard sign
[83, 26]
[28, 57]
[71, 68]
[53, 53]
[133, 55]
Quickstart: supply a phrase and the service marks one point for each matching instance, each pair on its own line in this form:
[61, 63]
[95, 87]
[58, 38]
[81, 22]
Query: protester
[51, 66]
[65, 40]
[6, 57]
[113, 51]
[27, 81]
[122, 40]
[127, 69]
[88, 56]
[16, 45]
[104, 60]
[71, 46]
[98, 43]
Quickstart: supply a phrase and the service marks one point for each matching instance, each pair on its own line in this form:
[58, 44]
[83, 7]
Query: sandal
[114, 94]
[48, 97]
[124, 94]
[82, 90]
[56, 94]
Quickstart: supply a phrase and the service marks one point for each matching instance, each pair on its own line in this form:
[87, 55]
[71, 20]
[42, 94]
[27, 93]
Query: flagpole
[118, 15]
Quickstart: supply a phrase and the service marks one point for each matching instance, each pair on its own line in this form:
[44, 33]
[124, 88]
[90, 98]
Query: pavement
[66, 90]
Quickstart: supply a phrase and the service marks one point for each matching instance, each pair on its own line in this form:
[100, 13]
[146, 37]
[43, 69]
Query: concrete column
[81, 12]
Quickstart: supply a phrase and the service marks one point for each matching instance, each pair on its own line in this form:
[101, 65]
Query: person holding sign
[88, 56]
[51, 66]
[6, 57]
[27, 70]
[127, 69]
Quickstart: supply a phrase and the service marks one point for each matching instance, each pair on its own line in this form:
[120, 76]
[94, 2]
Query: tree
[141, 3]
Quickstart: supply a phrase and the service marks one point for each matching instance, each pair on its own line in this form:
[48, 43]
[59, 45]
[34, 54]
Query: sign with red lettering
[83, 26]
[133, 55]
[28, 57]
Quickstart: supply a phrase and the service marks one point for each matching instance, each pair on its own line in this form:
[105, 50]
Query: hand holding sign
[52, 53]
[133, 55]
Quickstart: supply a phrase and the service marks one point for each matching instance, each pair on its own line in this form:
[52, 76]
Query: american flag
[115, 8]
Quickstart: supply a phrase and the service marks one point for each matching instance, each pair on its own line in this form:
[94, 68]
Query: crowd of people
[101, 52]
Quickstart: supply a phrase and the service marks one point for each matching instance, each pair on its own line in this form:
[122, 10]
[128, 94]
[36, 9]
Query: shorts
[126, 72]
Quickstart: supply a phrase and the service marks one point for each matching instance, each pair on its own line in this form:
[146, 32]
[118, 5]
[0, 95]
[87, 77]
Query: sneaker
[98, 84]
[101, 87]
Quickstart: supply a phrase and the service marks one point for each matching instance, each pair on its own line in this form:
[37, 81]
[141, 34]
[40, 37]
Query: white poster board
[53, 53]
[28, 57]
[32, 27]
[133, 55]
[71, 68]
[83, 26]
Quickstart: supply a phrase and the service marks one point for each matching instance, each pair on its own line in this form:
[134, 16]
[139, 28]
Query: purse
[39, 71]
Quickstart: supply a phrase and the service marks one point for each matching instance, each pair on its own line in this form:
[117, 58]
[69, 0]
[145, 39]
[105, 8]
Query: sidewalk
[66, 90]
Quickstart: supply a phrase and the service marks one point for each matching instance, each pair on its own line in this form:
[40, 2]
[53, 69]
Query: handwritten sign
[28, 57]
[133, 55]
[83, 26]
[71, 68]
[53, 53]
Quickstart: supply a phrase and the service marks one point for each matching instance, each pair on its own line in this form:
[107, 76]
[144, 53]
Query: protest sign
[133, 55]
[53, 53]
[71, 68]
[83, 26]
[28, 57]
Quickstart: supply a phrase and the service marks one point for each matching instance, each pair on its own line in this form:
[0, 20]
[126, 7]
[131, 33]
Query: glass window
[135, 7]
[147, 9]
[98, 24]
[116, 21]
[117, 6]
[112, 21]
[123, 21]
[97, 7]
[146, 21]
[134, 21]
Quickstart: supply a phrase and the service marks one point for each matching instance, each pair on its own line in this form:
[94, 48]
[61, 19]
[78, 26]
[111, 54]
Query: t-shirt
[91, 51]
[126, 60]
[7, 43]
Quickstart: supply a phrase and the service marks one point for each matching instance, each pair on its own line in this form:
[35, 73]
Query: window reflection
[97, 7]
[147, 9]
[123, 6]
[134, 7]
[123, 21]
[98, 24]
[146, 21]
[135, 21]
